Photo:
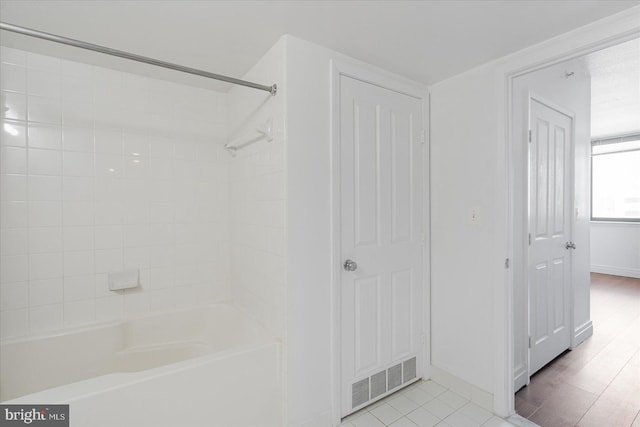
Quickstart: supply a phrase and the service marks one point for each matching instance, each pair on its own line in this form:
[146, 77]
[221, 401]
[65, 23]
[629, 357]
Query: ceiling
[615, 89]
[426, 41]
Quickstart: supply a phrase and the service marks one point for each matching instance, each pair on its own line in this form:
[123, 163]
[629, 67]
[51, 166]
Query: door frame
[526, 305]
[381, 78]
[571, 47]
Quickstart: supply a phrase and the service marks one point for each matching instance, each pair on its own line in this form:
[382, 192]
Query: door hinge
[423, 338]
[529, 239]
[506, 263]
[529, 341]
[424, 238]
[423, 137]
[529, 135]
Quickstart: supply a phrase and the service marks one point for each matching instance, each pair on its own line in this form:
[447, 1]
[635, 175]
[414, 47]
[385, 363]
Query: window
[615, 179]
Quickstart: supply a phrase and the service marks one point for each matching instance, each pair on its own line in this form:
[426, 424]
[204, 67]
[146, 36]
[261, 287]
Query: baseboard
[477, 395]
[520, 379]
[518, 420]
[616, 271]
[582, 332]
[322, 420]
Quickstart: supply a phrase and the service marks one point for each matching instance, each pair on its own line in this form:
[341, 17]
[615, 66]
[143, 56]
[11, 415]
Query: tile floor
[424, 404]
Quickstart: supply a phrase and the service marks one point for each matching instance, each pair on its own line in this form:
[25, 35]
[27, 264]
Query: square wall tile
[14, 241]
[13, 214]
[78, 164]
[45, 318]
[79, 263]
[14, 106]
[45, 188]
[14, 296]
[77, 188]
[13, 161]
[14, 134]
[45, 214]
[45, 266]
[45, 136]
[79, 312]
[44, 83]
[14, 323]
[78, 214]
[13, 187]
[109, 307]
[78, 238]
[44, 110]
[78, 139]
[79, 288]
[14, 268]
[13, 78]
[45, 162]
[44, 292]
[45, 239]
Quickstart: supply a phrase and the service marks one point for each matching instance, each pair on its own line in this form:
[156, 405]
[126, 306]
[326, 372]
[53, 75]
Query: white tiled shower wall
[257, 185]
[102, 170]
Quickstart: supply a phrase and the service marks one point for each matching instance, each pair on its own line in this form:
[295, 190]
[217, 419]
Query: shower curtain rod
[133, 57]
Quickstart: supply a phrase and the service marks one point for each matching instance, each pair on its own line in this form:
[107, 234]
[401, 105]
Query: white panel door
[381, 231]
[550, 209]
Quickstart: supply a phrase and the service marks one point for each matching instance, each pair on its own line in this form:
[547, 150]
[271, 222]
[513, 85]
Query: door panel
[381, 230]
[549, 227]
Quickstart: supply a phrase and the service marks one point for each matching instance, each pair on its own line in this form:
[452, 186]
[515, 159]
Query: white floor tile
[403, 422]
[423, 418]
[453, 399]
[367, 420]
[443, 424]
[497, 422]
[432, 388]
[346, 424]
[457, 419]
[418, 395]
[439, 409]
[403, 404]
[476, 413]
[386, 413]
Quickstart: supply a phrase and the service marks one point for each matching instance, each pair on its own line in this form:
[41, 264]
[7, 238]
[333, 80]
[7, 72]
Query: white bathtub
[203, 367]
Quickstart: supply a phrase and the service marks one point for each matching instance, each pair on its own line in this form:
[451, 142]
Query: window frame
[609, 140]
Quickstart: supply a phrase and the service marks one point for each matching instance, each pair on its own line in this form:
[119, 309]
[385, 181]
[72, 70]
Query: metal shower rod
[133, 57]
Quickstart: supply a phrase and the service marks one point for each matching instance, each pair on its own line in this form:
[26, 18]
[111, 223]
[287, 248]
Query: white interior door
[381, 232]
[550, 210]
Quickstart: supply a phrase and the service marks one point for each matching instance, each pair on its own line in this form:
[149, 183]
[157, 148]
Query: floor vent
[360, 392]
[378, 384]
[409, 370]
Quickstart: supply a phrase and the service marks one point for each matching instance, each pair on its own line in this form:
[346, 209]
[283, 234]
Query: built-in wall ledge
[265, 132]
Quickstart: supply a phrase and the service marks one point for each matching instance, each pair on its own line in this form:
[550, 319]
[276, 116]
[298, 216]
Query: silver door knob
[350, 265]
[570, 245]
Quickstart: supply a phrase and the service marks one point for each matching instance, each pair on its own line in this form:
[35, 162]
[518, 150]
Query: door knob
[350, 265]
[570, 245]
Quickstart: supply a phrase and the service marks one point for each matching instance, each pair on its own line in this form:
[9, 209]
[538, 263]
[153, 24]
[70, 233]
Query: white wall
[471, 166]
[615, 248]
[309, 214]
[257, 195]
[106, 171]
[573, 94]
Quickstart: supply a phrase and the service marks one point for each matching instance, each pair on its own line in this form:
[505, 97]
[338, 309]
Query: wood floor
[598, 383]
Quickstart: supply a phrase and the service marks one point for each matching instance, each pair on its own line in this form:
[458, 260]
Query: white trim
[616, 271]
[570, 49]
[402, 85]
[582, 332]
[480, 397]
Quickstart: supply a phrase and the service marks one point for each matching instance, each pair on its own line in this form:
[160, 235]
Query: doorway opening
[583, 384]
